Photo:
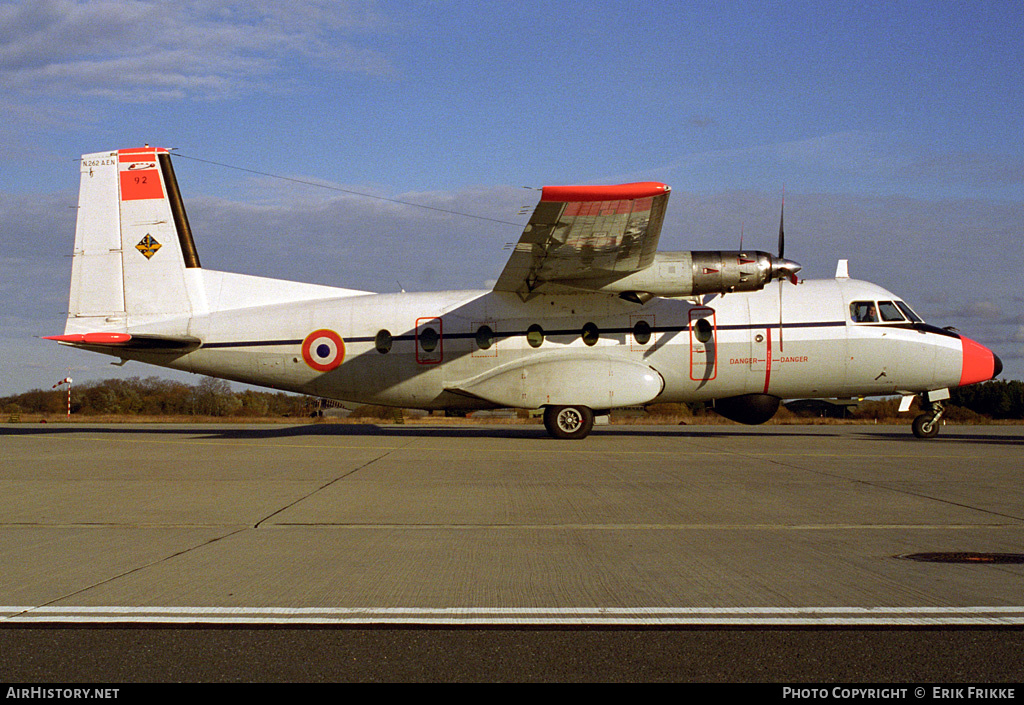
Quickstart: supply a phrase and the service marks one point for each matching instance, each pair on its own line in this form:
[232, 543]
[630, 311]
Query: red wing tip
[91, 338]
[615, 192]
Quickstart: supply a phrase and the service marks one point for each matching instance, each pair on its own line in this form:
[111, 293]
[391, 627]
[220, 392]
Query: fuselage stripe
[516, 334]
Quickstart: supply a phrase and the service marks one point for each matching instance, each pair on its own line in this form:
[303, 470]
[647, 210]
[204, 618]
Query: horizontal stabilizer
[130, 342]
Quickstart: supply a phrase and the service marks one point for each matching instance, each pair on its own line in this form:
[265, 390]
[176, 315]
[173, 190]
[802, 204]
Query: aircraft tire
[924, 427]
[568, 422]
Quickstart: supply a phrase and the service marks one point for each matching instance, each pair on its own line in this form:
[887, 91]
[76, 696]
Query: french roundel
[323, 350]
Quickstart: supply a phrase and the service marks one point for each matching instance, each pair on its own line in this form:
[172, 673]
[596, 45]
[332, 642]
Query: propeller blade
[788, 268]
[780, 315]
[782, 267]
[782, 232]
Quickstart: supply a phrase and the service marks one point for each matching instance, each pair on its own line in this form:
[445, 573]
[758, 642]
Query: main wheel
[924, 427]
[568, 422]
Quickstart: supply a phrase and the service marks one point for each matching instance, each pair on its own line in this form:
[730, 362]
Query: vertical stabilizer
[133, 245]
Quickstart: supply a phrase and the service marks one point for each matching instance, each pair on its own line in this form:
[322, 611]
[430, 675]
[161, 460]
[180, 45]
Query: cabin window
[429, 339]
[590, 334]
[484, 337]
[382, 341]
[863, 312]
[888, 311]
[642, 332]
[702, 330]
[535, 336]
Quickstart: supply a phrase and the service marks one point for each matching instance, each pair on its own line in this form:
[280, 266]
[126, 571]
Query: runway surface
[645, 542]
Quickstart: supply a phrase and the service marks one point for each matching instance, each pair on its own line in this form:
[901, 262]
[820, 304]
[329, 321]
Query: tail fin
[133, 246]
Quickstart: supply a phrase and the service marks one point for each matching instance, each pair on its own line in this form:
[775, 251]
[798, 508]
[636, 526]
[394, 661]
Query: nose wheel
[568, 422]
[926, 425]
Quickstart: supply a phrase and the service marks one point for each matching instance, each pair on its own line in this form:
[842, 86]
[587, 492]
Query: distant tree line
[996, 399]
[153, 396]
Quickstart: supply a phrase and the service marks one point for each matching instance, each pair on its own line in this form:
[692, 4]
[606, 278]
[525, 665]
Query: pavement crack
[126, 573]
[324, 486]
[881, 486]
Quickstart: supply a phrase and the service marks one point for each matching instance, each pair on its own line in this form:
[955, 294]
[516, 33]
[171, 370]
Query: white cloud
[140, 50]
[359, 242]
[861, 162]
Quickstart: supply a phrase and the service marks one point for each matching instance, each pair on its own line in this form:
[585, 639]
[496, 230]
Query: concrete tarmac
[500, 527]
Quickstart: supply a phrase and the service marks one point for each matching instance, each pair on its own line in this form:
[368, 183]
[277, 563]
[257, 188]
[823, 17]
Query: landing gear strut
[568, 422]
[926, 425]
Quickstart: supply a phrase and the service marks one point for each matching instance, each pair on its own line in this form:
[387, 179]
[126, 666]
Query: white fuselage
[738, 349]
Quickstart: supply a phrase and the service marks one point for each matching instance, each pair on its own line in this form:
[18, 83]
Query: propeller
[783, 268]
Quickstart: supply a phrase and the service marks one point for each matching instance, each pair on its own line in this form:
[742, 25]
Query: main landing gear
[926, 425]
[568, 422]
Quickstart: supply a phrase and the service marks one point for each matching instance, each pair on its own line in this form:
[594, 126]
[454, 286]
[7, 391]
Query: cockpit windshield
[864, 312]
[909, 312]
[882, 312]
[888, 311]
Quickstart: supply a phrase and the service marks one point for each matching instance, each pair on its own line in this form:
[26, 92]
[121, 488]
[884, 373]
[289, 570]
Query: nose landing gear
[926, 425]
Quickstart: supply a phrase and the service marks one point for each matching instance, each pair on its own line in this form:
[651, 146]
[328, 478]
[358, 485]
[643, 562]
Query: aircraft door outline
[760, 348]
[703, 344]
[485, 339]
[642, 332]
[429, 341]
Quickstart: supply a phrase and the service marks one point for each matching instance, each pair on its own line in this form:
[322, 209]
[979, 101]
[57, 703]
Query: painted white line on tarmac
[993, 616]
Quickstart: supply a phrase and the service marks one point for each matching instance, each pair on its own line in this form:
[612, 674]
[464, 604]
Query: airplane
[587, 316]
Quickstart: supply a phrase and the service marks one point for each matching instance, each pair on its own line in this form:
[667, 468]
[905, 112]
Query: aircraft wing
[581, 234]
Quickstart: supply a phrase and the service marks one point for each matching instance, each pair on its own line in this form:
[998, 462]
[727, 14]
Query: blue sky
[894, 128]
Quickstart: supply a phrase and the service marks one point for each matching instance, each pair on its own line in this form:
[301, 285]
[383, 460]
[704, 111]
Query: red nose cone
[979, 363]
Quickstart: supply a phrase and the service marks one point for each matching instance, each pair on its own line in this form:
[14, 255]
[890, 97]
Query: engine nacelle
[703, 272]
[751, 409]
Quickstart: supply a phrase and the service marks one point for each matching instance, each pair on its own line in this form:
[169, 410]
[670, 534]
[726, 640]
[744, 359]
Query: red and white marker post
[67, 381]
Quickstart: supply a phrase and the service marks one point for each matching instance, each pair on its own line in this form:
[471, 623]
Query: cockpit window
[863, 312]
[882, 312]
[889, 312]
[909, 312]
